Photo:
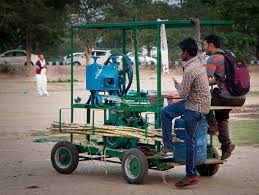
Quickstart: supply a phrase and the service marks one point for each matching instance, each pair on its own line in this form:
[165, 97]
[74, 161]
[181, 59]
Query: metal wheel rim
[132, 167]
[63, 157]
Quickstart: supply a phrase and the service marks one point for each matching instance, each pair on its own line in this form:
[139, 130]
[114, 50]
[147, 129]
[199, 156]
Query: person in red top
[220, 94]
[38, 78]
[41, 77]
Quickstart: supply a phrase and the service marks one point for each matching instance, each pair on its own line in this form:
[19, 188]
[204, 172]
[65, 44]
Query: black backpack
[237, 75]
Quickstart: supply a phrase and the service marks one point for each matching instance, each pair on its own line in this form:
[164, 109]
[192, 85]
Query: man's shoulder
[195, 68]
[216, 58]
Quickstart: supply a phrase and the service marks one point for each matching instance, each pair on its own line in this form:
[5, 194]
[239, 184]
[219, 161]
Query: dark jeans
[192, 121]
[168, 113]
[222, 116]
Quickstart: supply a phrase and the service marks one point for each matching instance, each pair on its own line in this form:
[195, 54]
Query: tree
[30, 21]
[245, 34]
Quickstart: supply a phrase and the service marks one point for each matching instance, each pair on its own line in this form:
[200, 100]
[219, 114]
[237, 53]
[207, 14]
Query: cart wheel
[211, 169]
[134, 166]
[115, 142]
[64, 157]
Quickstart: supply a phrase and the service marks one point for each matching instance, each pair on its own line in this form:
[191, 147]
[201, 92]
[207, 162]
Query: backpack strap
[220, 52]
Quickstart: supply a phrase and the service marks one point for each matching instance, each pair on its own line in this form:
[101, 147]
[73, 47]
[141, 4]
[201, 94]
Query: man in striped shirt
[195, 89]
[220, 95]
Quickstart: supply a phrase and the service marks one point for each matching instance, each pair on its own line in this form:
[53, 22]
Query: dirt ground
[25, 166]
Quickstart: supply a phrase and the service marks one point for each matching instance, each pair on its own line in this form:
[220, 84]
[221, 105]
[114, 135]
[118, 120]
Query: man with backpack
[221, 68]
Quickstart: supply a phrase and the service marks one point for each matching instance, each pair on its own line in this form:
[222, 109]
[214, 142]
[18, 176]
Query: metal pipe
[136, 61]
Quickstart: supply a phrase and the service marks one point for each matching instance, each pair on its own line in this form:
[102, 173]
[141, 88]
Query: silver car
[80, 59]
[142, 59]
[17, 57]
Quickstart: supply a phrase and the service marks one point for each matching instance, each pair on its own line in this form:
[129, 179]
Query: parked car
[79, 58]
[142, 59]
[17, 57]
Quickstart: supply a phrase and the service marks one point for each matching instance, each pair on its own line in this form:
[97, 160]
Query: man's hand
[177, 85]
[212, 81]
[175, 81]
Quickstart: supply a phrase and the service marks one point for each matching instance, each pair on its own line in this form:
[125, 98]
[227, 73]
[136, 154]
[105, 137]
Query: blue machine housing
[102, 77]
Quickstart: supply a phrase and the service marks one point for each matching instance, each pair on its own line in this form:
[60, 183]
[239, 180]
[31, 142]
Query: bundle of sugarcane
[109, 131]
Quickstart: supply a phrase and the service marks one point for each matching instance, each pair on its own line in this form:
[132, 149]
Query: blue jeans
[168, 113]
[192, 122]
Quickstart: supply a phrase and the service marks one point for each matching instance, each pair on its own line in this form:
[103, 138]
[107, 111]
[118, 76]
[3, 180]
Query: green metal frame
[138, 106]
[135, 26]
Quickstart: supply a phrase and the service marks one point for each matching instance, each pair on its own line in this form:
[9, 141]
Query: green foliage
[7, 68]
[62, 81]
[48, 21]
[245, 33]
[243, 132]
[240, 43]
[253, 93]
[42, 18]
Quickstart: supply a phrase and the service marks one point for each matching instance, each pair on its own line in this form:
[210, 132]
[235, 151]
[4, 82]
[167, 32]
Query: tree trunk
[88, 51]
[149, 50]
[257, 48]
[197, 31]
[28, 46]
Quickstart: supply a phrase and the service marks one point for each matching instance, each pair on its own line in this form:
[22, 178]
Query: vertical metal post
[93, 123]
[60, 117]
[105, 116]
[124, 51]
[72, 76]
[88, 115]
[158, 38]
[157, 114]
[211, 140]
[136, 60]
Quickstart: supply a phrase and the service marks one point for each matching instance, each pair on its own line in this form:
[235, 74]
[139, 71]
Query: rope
[103, 156]
[106, 170]
[164, 179]
[91, 155]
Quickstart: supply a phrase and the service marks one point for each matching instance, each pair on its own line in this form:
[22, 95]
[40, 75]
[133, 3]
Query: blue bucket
[202, 141]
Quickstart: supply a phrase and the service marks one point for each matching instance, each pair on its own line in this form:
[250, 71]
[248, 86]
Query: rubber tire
[76, 63]
[74, 154]
[140, 156]
[25, 64]
[119, 142]
[211, 169]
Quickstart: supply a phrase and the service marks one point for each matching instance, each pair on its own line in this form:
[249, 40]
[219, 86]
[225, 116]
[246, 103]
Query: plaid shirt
[195, 86]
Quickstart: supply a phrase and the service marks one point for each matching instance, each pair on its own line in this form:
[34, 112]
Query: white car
[142, 59]
[80, 59]
[17, 57]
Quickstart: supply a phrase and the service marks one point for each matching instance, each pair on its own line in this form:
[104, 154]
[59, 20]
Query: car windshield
[9, 54]
[100, 53]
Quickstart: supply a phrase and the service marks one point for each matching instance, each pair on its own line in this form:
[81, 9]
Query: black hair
[190, 46]
[213, 39]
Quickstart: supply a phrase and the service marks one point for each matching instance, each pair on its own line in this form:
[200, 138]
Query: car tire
[76, 63]
[25, 64]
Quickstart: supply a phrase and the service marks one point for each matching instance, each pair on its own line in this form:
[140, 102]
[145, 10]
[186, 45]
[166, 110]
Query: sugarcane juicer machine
[123, 108]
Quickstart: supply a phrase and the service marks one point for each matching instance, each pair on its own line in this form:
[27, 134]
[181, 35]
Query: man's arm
[211, 68]
[184, 87]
